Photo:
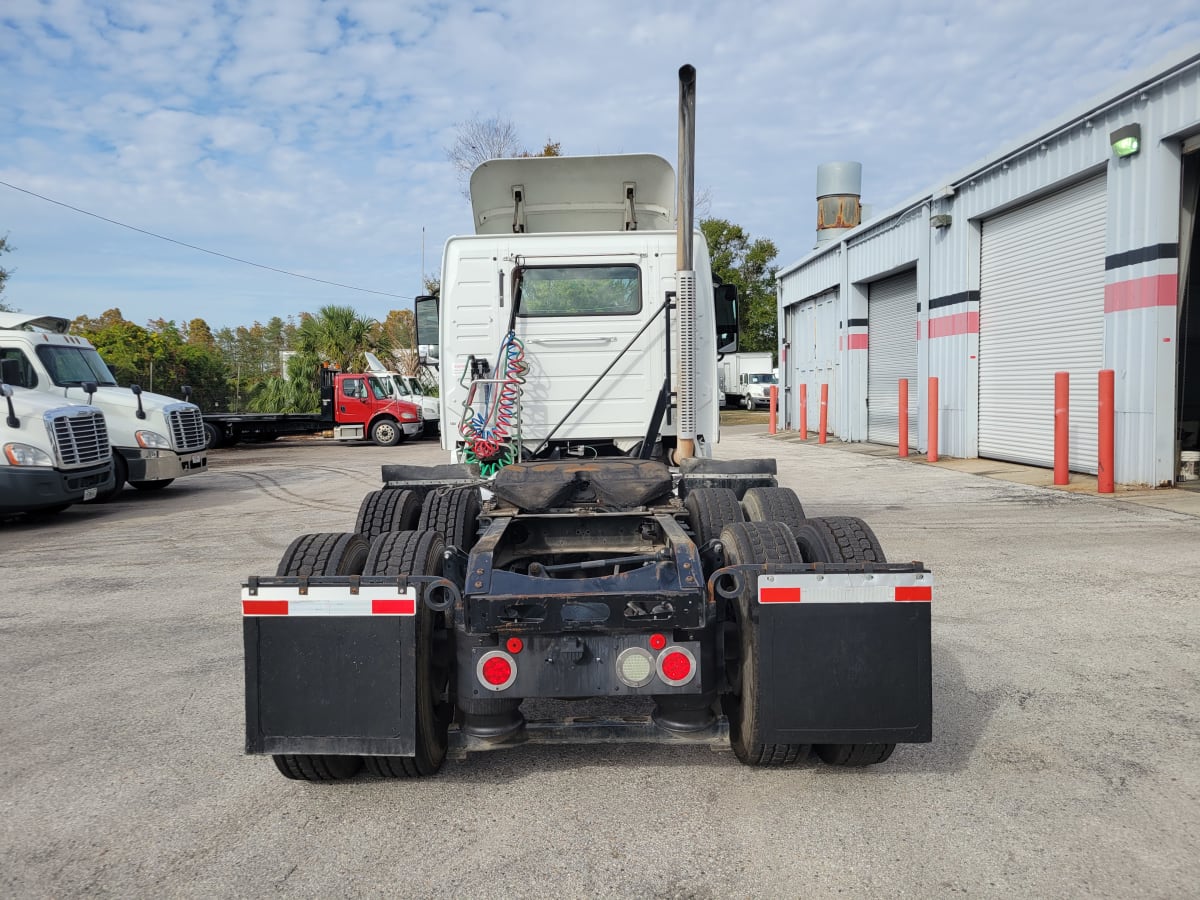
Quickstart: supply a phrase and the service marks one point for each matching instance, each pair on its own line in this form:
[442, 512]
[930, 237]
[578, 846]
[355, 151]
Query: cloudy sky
[311, 136]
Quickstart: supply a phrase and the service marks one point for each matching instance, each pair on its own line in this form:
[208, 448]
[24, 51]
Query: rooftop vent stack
[839, 187]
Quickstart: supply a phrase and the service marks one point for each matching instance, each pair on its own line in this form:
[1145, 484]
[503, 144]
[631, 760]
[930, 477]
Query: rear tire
[305, 767]
[387, 510]
[710, 510]
[325, 554]
[773, 504]
[418, 553]
[309, 555]
[454, 513]
[213, 436]
[754, 543]
[843, 539]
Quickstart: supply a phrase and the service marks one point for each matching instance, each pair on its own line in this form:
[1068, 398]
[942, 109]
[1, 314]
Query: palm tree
[339, 335]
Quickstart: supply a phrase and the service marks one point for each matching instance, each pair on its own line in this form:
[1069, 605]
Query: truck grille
[187, 427]
[80, 437]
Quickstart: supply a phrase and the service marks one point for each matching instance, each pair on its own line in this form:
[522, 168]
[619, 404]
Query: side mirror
[428, 345]
[726, 315]
[137, 392]
[6, 392]
[90, 388]
[187, 392]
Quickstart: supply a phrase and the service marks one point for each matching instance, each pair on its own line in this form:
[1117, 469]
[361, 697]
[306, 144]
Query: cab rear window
[578, 291]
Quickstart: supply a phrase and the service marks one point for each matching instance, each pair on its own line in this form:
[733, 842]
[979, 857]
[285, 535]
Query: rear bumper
[161, 465]
[28, 490]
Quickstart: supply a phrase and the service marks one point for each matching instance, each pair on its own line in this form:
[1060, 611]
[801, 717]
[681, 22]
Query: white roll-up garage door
[1041, 311]
[891, 355]
[812, 329]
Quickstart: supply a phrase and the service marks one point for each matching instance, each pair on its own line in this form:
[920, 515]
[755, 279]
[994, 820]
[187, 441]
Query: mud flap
[331, 684]
[845, 673]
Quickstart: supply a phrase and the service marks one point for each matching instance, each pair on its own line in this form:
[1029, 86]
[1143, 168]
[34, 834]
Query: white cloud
[309, 135]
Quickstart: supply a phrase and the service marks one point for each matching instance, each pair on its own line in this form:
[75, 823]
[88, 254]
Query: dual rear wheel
[768, 526]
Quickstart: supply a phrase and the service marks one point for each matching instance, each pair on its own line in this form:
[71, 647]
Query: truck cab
[52, 453]
[563, 303]
[155, 439]
[369, 404]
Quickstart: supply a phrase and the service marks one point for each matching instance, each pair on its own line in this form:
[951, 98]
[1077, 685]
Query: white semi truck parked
[583, 544]
[155, 439]
[52, 453]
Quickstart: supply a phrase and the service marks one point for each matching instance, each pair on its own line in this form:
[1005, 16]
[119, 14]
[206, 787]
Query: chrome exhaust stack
[685, 276]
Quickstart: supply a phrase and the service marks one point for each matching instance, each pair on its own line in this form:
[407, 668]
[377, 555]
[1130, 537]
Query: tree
[477, 140]
[4, 273]
[746, 263]
[339, 335]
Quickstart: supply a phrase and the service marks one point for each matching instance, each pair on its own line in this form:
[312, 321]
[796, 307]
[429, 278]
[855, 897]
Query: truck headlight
[152, 440]
[25, 455]
[408, 417]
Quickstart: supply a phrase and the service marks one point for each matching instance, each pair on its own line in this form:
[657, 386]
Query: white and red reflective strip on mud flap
[846, 587]
[329, 601]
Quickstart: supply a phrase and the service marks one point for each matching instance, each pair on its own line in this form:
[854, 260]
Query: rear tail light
[496, 670]
[676, 666]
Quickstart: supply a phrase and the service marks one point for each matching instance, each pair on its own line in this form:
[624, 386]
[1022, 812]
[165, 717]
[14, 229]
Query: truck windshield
[579, 291]
[763, 379]
[382, 388]
[74, 365]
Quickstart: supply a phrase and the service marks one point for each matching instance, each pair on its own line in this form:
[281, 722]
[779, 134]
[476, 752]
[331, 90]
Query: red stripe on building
[949, 326]
[1141, 293]
[856, 342]
[264, 607]
[403, 606]
[914, 594]
[779, 595]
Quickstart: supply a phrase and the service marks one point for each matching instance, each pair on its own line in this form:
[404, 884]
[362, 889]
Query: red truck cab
[367, 405]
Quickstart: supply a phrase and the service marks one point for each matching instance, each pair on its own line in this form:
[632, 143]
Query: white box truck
[52, 453]
[155, 439]
[746, 379]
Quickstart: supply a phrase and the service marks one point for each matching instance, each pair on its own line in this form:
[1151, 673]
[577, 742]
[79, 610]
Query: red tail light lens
[496, 670]
[514, 645]
[677, 666]
[658, 641]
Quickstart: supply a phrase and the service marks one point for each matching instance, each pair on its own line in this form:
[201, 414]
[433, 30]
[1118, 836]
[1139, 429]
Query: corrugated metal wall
[1142, 234]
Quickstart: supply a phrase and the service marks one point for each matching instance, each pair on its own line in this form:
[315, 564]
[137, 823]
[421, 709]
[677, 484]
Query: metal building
[1071, 250]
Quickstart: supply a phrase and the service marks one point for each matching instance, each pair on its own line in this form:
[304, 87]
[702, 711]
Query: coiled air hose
[491, 434]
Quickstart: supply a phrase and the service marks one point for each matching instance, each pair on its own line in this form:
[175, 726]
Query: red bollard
[774, 407]
[933, 419]
[803, 412]
[1062, 431]
[904, 417]
[1106, 436]
[824, 413]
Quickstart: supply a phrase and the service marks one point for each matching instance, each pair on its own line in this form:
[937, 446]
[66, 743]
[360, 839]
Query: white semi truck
[52, 453]
[583, 543]
[155, 439]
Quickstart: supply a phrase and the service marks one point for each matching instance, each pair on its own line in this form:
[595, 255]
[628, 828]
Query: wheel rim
[385, 432]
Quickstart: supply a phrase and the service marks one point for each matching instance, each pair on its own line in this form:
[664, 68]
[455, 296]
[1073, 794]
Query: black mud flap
[845, 673]
[330, 684]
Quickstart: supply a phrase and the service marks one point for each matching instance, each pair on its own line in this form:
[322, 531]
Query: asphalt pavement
[1065, 761]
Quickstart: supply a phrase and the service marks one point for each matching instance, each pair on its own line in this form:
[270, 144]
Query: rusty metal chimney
[839, 189]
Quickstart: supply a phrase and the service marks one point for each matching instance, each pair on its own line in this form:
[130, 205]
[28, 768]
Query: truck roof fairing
[546, 194]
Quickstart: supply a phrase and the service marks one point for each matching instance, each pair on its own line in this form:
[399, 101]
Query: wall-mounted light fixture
[1126, 140]
[942, 220]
